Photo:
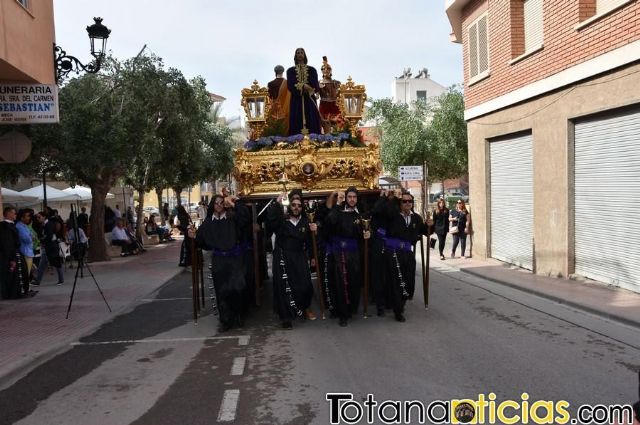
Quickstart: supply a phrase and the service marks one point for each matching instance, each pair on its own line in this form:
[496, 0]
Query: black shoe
[342, 322]
[287, 325]
[223, 327]
[35, 283]
[400, 317]
[381, 312]
[31, 293]
[59, 283]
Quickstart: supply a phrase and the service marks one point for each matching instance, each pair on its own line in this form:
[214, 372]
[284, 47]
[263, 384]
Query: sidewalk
[35, 329]
[597, 298]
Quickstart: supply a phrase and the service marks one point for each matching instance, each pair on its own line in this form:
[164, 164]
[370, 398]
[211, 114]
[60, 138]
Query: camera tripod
[80, 254]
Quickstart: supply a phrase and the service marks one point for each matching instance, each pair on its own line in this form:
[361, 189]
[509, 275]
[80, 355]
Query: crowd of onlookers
[32, 242]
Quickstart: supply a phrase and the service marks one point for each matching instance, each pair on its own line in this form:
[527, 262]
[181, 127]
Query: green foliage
[432, 133]
[135, 122]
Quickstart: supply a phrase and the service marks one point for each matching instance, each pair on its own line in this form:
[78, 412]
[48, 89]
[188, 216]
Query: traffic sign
[410, 172]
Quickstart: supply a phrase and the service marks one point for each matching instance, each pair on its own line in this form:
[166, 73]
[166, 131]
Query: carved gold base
[307, 167]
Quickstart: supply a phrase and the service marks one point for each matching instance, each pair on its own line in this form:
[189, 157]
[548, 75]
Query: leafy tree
[434, 133]
[204, 151]
[96, 140]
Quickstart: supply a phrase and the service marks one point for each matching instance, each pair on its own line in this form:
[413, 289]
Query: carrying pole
[195, 290]
[319, 277]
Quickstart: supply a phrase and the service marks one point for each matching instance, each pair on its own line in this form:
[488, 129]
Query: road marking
[238, 366]
[229, 405]
[242, 340]
[165, 299]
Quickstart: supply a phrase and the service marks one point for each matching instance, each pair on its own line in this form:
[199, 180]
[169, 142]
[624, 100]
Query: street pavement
[35, 329]
[488, 327]
[595, 297]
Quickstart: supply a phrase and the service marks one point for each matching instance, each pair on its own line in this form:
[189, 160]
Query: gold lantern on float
[256, 104]
[351, 103]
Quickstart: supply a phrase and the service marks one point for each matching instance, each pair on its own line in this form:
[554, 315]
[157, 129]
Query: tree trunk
[178, 192]
[163, 219]
[139, 214]
[98, 245]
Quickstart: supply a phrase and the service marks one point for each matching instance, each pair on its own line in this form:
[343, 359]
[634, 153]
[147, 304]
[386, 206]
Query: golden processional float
[272, 161]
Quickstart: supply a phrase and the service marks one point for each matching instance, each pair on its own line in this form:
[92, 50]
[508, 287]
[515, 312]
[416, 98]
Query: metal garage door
[512, 200]
[607, 199]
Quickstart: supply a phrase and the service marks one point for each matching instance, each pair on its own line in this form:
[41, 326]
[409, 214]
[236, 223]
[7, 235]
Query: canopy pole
[44, 191]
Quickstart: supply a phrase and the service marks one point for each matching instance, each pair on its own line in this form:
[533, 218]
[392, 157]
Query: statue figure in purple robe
[302, 82]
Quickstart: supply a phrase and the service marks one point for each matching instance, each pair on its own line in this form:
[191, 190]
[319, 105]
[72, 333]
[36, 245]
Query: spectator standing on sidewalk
[83, 219]
[202, 211]
[441, 224]
[183, 222]
[109, 219]
[9, 255]
[117, 211]
[26, 246]
[50, 250]
[460, 219]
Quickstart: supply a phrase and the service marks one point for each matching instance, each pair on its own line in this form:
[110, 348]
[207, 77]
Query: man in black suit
[9, 255]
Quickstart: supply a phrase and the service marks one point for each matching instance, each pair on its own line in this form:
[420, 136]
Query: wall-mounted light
[64, 64]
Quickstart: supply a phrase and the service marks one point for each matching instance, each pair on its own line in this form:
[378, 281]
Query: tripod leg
[73, 291]
[81, 266]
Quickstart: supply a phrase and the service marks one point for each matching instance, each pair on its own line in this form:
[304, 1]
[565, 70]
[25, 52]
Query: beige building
[27, 35]
[553, 111]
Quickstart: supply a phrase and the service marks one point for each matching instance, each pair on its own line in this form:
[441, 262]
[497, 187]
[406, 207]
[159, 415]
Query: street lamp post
[64, 64]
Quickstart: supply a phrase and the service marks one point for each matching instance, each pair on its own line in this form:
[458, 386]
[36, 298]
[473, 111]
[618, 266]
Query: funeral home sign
[28, 103]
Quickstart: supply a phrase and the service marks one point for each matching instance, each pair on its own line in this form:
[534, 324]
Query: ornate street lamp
[351, 103]
[64, 64]
[256, 104]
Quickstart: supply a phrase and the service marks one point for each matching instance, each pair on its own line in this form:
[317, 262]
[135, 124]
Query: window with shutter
[478, 48]
[603, 6]
[533, 25]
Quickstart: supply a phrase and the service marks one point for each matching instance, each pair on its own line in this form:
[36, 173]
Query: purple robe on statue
[312, 115]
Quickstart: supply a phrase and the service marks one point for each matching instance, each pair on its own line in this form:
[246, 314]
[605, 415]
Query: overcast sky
[232, 42]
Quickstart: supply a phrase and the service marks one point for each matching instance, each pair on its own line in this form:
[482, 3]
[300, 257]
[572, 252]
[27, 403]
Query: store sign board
[28, 103]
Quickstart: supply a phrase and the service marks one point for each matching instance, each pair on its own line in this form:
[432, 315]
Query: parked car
[150, 210]
[451, 197]
[458, 195]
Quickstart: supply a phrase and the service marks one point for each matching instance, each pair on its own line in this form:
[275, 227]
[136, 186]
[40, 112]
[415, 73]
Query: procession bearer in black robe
[292, 288]
[405, 229]
[221, 233]
[379, 225]
[347, 239]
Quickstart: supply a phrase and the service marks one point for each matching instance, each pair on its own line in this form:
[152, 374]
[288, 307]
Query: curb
[563, 301]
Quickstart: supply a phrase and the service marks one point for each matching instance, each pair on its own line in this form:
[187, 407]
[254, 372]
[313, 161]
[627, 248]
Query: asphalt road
[154, 366]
